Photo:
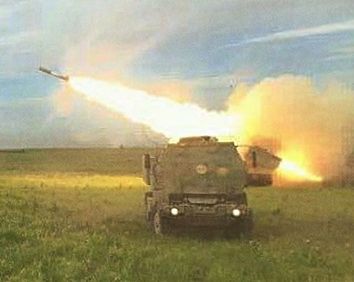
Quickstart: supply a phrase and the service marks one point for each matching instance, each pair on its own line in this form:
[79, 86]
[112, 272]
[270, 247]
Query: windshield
[208, 169]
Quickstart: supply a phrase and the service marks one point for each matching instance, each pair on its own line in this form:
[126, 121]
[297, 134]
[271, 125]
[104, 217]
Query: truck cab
[197, 182]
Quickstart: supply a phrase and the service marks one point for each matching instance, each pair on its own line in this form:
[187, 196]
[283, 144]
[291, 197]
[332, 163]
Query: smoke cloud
[307, 121]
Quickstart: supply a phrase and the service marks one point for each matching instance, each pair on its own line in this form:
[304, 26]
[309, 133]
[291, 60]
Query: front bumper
[204, 215]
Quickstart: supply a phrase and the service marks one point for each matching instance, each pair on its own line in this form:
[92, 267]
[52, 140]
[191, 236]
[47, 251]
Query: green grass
[103, 161]
[63, 217]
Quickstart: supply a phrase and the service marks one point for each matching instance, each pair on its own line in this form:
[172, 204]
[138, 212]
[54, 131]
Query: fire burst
[294, 171]
[161, 114]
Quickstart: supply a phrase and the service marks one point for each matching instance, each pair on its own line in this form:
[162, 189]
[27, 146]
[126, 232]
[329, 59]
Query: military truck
[197, 182]
[260, 165]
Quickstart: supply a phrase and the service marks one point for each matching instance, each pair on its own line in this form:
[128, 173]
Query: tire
[147, 214]
[159, 225]
[241, 229]
[149, 211]
[246, 226]
[233, 231]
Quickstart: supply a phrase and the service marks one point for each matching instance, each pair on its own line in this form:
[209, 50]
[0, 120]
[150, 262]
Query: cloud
[13, 40]
[96, 38]
[341, 53]
[345, 51]
[345, 56]
[299, 33]
[19, 37]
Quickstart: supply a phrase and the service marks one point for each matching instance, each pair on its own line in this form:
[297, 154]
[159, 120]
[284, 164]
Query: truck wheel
[148, 214]
[247, 226]
[232, 232]
[159, 224]
[148, 209]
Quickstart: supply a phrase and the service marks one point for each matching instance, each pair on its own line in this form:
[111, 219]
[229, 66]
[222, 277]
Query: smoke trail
[161, 114]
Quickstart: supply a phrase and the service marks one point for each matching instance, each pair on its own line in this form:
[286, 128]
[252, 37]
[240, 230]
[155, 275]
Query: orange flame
[295, 172]
[295, 166]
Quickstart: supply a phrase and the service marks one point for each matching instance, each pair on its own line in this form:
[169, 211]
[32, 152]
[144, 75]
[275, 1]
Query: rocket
[52, 73]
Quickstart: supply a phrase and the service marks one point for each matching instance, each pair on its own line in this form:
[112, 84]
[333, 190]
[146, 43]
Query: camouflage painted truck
[260, 165]
[197, 182]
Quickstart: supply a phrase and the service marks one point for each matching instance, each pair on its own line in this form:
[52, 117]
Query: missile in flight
[52, 73]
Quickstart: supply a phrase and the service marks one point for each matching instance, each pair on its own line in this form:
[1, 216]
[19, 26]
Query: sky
[189, 50]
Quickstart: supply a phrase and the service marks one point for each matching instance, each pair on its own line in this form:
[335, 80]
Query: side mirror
[254, 159]
[146, 168]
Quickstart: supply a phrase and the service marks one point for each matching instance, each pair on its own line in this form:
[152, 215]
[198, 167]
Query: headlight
[236, 212]
[174, 211]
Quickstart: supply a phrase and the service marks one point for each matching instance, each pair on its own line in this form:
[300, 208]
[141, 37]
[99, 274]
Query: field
[78, 215]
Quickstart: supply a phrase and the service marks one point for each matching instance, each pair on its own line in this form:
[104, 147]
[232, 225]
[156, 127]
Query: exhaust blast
[163, 115]
[305, 119]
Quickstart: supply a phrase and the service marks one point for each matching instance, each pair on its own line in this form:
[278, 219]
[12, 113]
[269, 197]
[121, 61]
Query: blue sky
[204, 45]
